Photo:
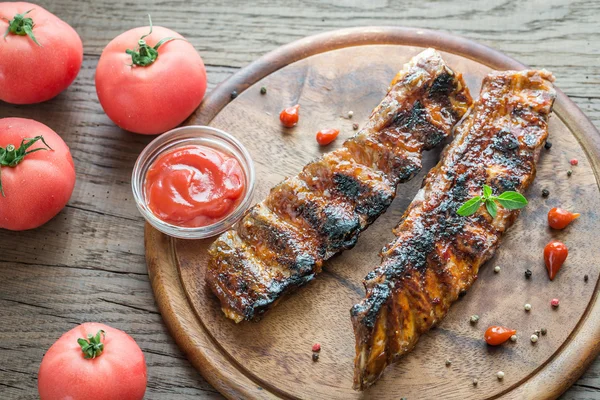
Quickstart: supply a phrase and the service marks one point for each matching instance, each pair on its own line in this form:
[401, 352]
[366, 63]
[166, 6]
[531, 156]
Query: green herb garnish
[509, 200]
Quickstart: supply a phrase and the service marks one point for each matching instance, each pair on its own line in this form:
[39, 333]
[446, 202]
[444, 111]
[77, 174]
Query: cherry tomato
[326, 136]
[40, 55]
[555, 254]
[93, 362]
[559, 218]
[36, 181]
[496, 335]
[289, 116]
[148, 89]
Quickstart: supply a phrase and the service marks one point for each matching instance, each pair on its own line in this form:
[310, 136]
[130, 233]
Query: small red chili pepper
[554, 302]
[326, 136]
[559, 218]
[496, 335]
[555, 254]
[316, 347]
[289, 116]
[574, 161]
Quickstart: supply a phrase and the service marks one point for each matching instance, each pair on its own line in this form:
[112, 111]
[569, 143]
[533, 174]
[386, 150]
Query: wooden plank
[562, 36]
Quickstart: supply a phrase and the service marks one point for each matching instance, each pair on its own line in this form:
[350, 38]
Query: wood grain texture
[275, 353]
[51, 280]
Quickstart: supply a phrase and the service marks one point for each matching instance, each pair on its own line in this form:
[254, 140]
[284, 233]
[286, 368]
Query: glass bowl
[192, 135]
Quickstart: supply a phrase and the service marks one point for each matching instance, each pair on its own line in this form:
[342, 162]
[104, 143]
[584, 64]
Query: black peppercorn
[315, 357]
[263, 90]
[355, 126]
[545, 193]
[569, 173]
[585, 278]
[548, 145]
[527, 273]
[234, 94]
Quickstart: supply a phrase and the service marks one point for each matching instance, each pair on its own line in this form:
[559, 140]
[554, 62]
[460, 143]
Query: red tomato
[38, 186]
[154, 98]
[289, 116]
[496, 335]
[326, 136]
[32, 73]
[555, 254]
[115, 367]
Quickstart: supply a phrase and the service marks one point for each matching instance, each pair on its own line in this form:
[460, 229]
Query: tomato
[289, 116]
[149, 87]
[33, 72]
[93, 362]
[559, 218]
[496, 335]
[326, 136]
[555, 254]
[40, 184]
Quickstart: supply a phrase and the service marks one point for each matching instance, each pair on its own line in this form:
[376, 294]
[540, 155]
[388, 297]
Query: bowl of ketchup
[193, 182]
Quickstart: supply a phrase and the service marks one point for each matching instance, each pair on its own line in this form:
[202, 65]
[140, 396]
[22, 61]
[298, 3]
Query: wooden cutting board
[329, 75]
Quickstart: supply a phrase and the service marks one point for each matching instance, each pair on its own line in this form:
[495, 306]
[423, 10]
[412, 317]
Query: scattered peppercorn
[585, 278]
[513, 338]
[569, 173]
[537, 332]
[500, 375]
[534, 338]
[355, 126]
[475, 382]
[544, 331]
[448, 363]
[234, 94]
[350, 114]
[554, 303]
[545, 193]
[574, 161]
[527, 307]
[474, 318]
[528, 273]
[316, 347]
[263, 90]
[315, 357]
[497, 269]
[548, 145]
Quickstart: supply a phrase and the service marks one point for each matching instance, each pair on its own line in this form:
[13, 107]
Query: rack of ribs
[436, 254]
[281, 242]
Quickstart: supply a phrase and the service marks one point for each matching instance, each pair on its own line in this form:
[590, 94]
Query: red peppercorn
[326, 136]
[554, 303]
[316, 347]
[574, 161]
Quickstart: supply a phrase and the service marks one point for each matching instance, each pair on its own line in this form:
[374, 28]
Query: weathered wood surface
[88, 263]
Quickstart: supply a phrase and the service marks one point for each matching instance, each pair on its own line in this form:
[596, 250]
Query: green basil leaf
[512, 200]
[487, 191]
[491, 207]
[470, 207]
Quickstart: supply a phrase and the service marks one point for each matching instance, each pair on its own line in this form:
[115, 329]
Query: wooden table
[88, 263]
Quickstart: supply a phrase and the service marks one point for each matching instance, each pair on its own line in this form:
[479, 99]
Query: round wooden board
[328, 75]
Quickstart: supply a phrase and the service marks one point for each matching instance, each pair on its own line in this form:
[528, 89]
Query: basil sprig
[510, 200]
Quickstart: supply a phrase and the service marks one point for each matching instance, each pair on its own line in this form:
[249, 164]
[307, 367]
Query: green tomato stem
[12, 156]
[22, 25]
[92, 347]
[145, 55]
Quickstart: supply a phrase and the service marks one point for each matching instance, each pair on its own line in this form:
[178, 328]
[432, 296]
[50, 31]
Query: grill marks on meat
[281, 243]
[437, 254]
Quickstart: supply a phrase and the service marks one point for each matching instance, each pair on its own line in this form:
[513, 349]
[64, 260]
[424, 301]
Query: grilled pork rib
[281, 242]
[437, 253]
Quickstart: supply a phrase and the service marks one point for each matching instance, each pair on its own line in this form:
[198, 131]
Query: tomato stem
[145, 55]
[22, 25]
[92, 347]
[12, 156]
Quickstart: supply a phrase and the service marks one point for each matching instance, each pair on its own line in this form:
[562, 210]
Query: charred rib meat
[437, 253]
[281, 243]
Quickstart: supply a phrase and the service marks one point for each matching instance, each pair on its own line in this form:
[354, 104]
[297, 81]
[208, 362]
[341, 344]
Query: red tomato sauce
[194, 186]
